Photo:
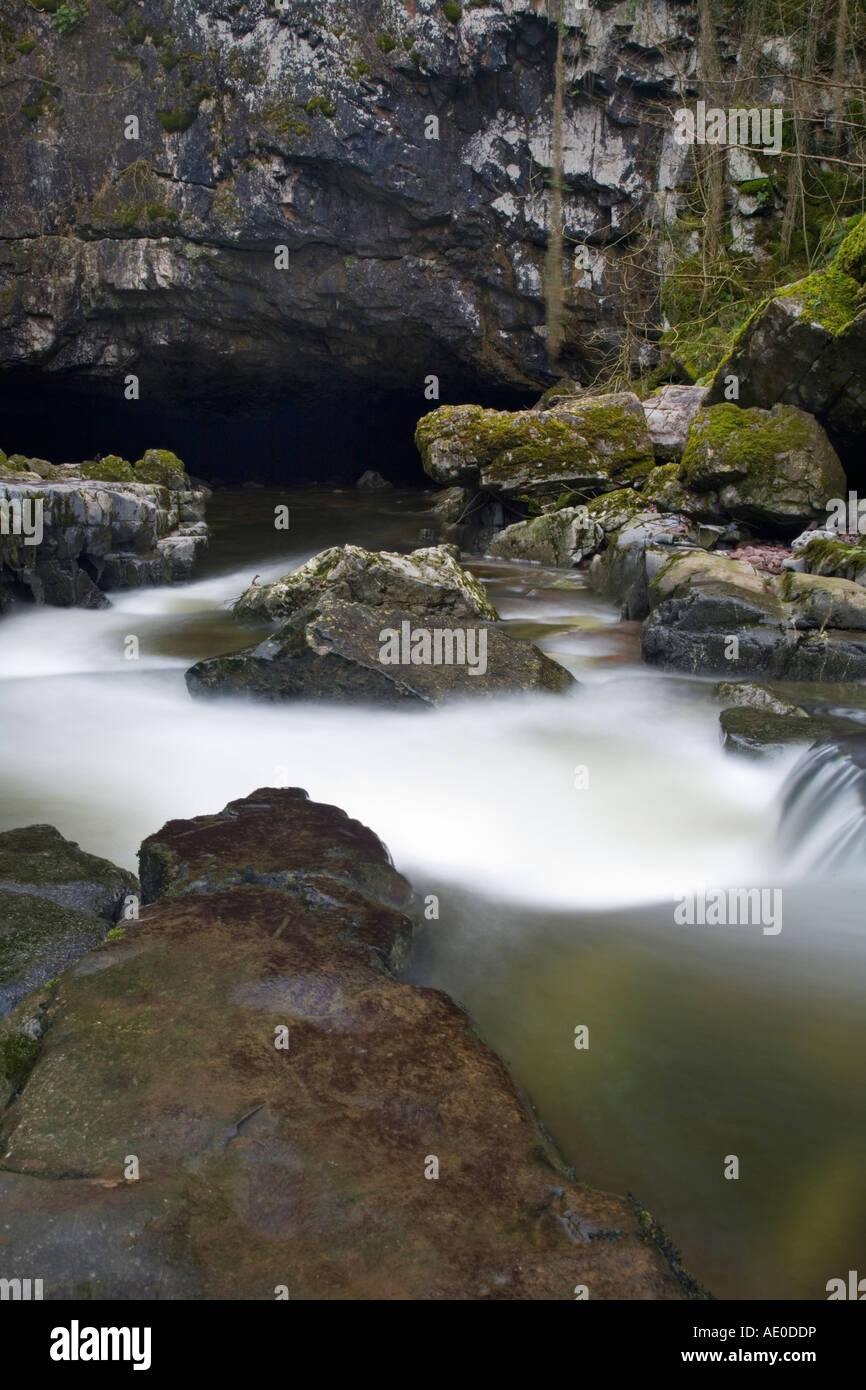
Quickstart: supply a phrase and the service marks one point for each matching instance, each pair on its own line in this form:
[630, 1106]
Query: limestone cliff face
[308, 126]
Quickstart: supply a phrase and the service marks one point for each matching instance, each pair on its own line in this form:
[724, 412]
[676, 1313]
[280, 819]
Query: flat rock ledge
[288, 1101]
[70, 532]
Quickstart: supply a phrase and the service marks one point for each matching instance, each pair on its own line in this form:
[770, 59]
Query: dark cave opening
[329, 439]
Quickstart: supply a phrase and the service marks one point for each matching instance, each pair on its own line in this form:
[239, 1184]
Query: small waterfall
[822, 827]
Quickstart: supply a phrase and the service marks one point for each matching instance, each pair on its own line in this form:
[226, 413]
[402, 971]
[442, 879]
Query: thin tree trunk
[554, 292]
[713, 161]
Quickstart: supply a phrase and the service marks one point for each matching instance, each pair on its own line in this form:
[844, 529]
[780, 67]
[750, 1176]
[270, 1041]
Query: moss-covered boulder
[37, 859]
[429, 579]
[712, 615]
[561, 538]
[806, 346]
[833, 556]
[819, 601]
[633, 555]
[56, 902]
[762, 732]
[163, 467]
[105, 524]
[613, 510]
[583, 444]
[19, 468]
[774, 469]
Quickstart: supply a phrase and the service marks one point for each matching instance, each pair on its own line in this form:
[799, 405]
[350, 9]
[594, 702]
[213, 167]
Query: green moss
[830, 297]
[171, 59]
[116, 934]
[851, 257]
[131, 202]
[163, 467]
[282, 116]
[111, 469]
[761, 189]
[513, 443]
[452, 12]
[70, 15]
[18, 1054]
[840, 558]
[25, 46]
[178, 119]
[320, 105]
[726, 440]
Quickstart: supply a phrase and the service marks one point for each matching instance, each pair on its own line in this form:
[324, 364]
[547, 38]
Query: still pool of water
[556, 833]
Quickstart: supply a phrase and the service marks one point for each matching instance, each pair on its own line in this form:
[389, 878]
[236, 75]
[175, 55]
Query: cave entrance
[328, 440]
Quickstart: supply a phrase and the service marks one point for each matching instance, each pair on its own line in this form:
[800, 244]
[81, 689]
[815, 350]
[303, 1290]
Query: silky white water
[555, 832]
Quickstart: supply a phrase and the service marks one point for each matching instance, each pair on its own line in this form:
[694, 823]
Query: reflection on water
[703, 1042]
[555, 832]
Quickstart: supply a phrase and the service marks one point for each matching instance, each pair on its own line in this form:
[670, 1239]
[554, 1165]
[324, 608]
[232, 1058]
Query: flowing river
[556, 833]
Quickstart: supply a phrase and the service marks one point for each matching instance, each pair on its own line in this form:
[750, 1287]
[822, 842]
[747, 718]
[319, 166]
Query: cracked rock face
[402, 160]
[65, 539]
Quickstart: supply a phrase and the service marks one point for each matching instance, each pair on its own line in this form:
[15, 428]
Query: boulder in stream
[303, 1120]
[711, 614]
[392, 629]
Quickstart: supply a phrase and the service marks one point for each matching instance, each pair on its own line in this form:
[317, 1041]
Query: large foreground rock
[364, 626]
[382, 1152]
[56, 902]
[104, 525]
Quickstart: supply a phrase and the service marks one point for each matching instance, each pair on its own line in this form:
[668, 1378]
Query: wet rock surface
[762, 732]
[304, 1166]
[562, 538]
[710, 614]
[425, 580]
[56, 902]
[379, 627]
